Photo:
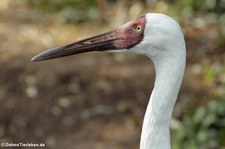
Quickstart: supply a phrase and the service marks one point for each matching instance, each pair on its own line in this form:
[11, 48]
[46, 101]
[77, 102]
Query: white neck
[169, 74]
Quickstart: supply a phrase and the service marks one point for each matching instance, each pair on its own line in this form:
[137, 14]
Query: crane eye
[137, 28]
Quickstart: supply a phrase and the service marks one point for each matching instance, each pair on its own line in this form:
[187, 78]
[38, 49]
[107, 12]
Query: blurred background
[97, 100]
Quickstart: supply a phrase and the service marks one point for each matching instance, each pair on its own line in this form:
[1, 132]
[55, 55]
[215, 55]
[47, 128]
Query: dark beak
[124, 37]
[100, 42]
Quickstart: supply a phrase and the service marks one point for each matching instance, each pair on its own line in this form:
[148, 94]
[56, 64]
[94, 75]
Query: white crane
[160, 38]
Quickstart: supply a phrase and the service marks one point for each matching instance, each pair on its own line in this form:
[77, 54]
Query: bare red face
[131, 33]
[124, 37]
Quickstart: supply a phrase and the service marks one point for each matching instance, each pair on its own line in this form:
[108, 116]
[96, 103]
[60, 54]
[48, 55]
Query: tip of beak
[44, 55]
[33, 59]
[36, 58]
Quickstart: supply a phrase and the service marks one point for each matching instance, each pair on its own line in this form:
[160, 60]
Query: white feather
[164, 44]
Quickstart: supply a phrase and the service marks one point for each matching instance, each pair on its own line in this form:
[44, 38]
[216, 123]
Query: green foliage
[210, 73]
[69, 11]
[199, 5]
[57, 5]
[204, 129]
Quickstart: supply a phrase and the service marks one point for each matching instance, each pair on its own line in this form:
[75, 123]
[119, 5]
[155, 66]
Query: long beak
[100, 42]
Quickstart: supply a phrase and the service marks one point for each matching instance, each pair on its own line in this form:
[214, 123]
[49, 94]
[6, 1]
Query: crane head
[150, 34]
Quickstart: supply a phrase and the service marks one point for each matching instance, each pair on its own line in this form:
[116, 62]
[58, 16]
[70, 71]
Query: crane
[160, 38]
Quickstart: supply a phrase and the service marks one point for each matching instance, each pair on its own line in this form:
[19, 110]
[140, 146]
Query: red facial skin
[128, 35]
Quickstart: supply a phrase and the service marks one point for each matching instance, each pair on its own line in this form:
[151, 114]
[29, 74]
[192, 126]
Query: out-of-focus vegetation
[39, 104]
[205, 11]
[202, 128]
[85, 9]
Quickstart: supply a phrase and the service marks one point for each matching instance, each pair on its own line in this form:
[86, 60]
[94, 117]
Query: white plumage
[164, 44]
